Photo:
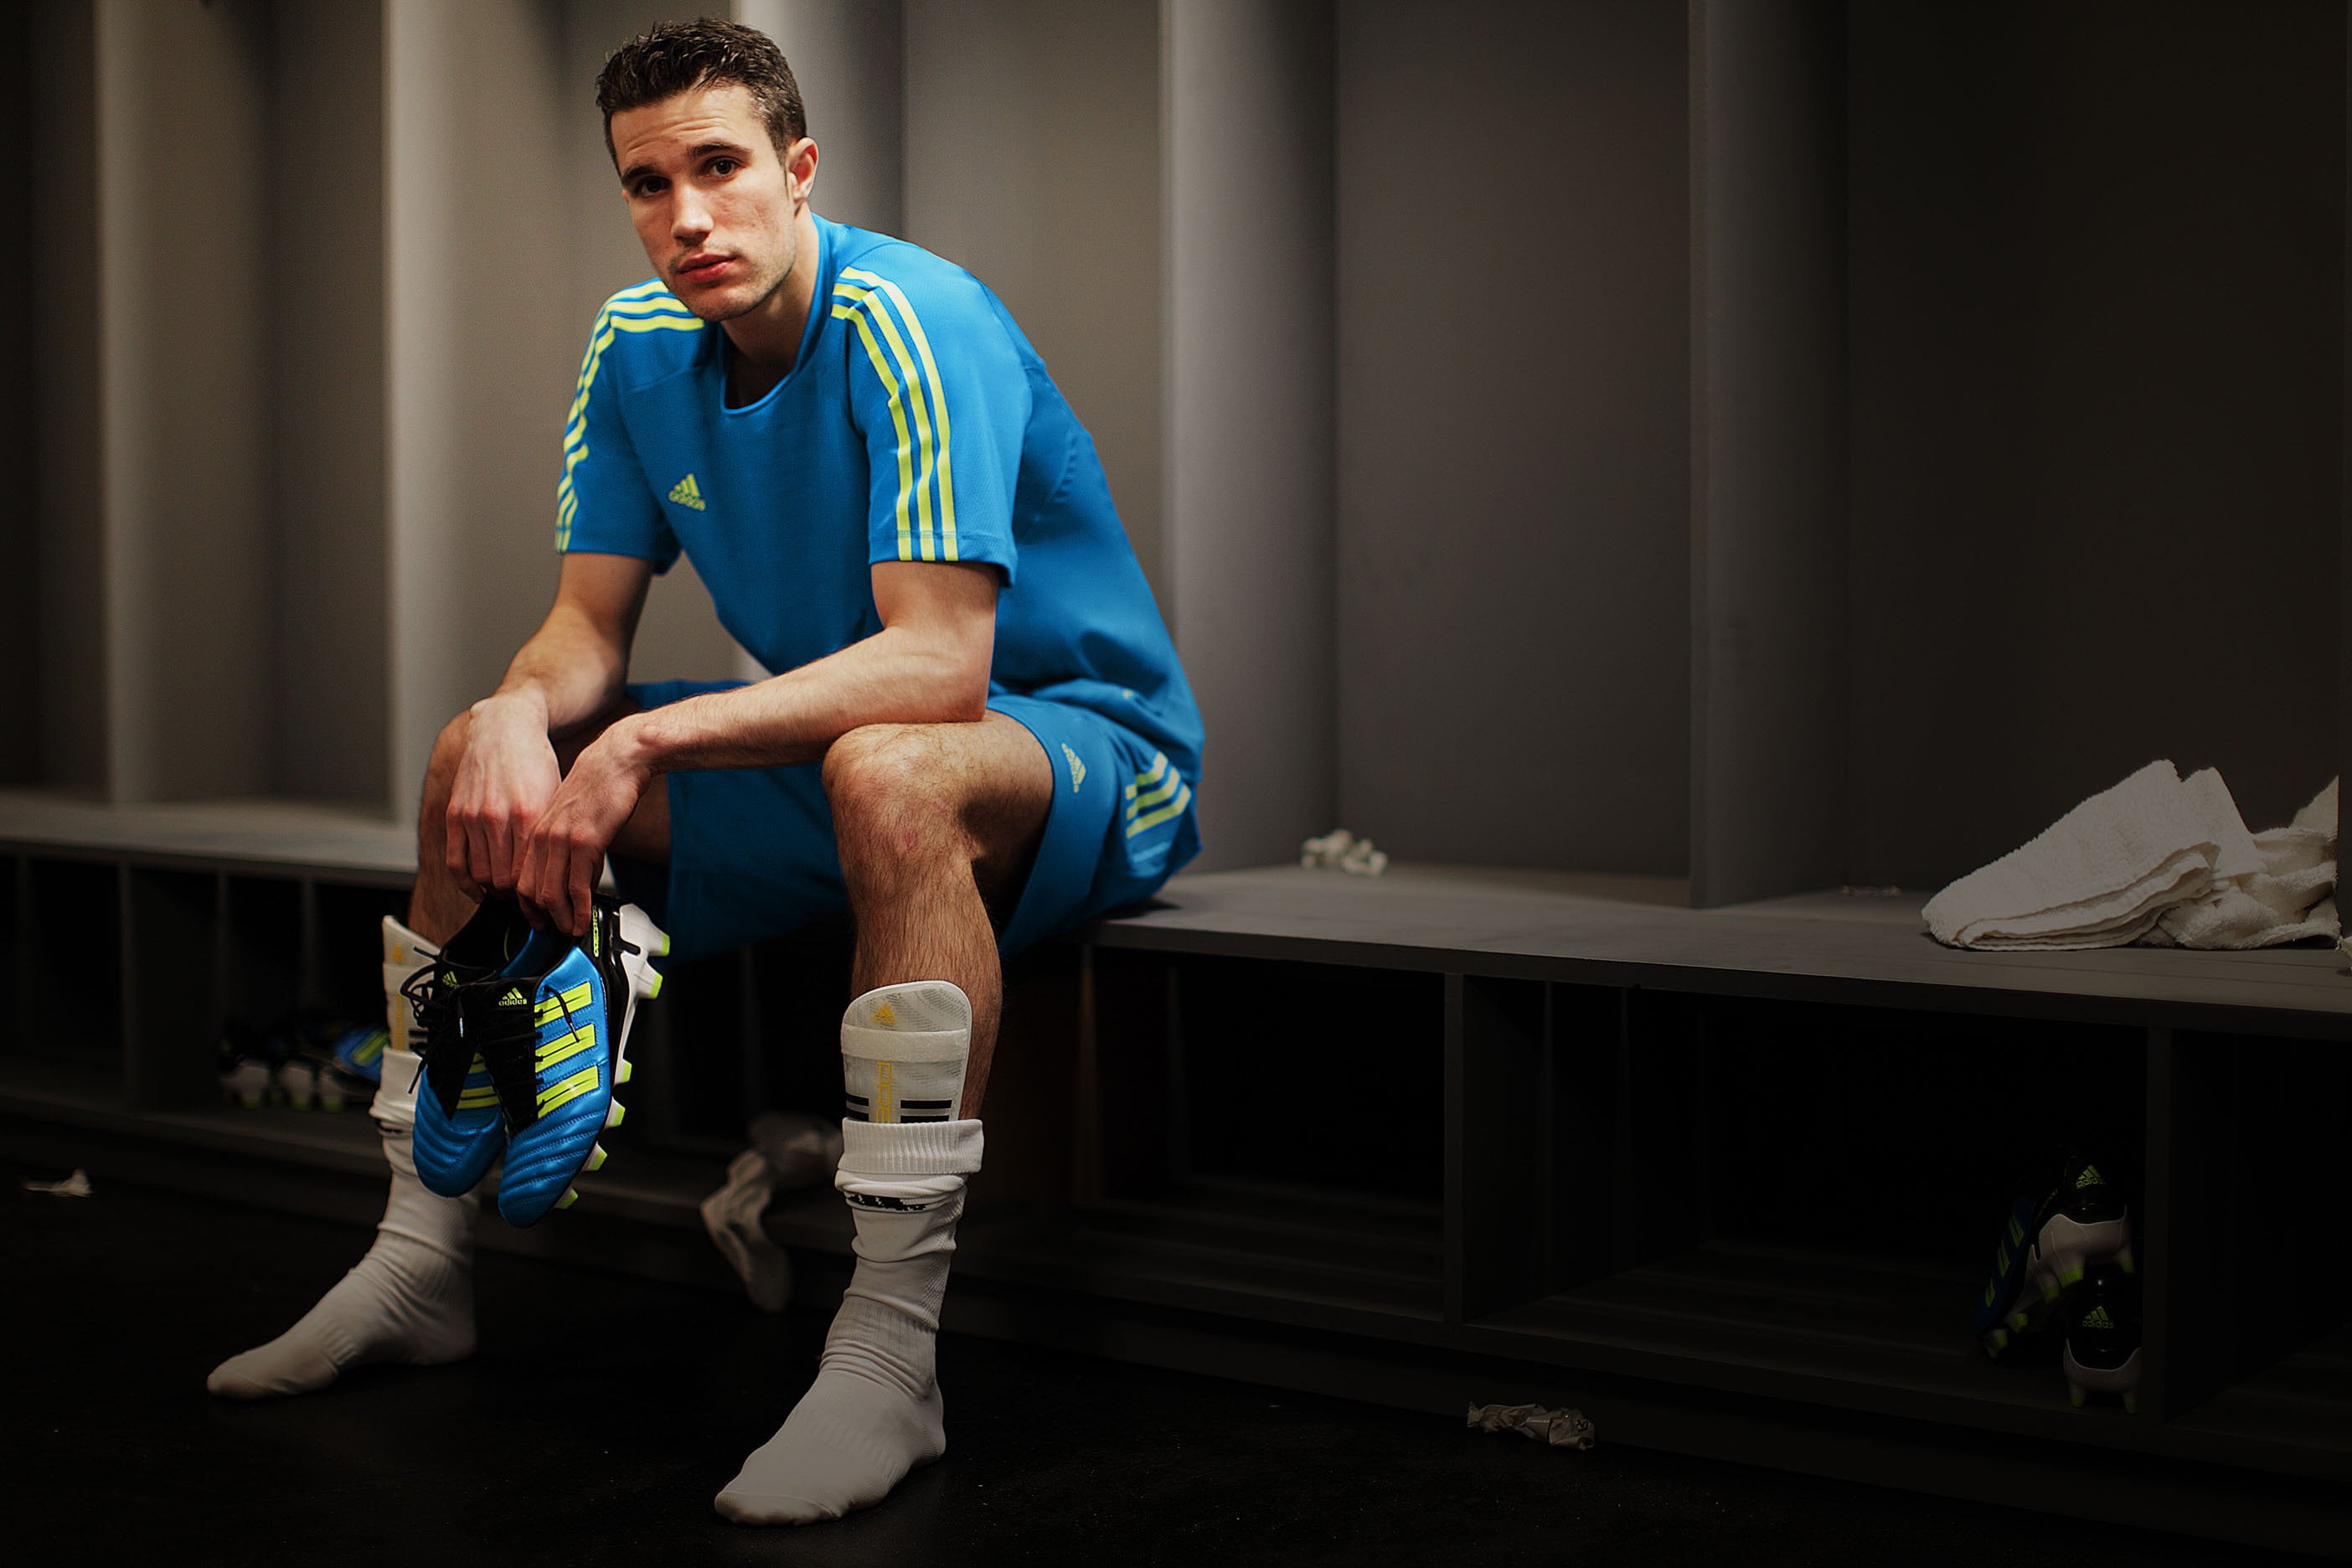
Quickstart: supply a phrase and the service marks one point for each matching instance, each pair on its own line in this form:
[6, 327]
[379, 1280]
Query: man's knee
[441, 766]
[893, 798]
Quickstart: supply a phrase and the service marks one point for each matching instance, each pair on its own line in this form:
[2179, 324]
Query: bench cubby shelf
[1722, 1177]
[1753, 1156]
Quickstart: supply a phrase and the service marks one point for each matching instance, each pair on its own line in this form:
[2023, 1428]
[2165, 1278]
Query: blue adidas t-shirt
[917, 424]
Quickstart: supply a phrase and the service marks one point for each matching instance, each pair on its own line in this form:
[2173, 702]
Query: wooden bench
[1723, 1178]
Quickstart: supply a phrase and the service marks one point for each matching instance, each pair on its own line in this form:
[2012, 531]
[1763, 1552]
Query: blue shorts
[751, 850]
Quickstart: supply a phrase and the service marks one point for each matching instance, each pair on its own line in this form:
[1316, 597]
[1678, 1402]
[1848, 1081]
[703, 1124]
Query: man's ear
[800, 167]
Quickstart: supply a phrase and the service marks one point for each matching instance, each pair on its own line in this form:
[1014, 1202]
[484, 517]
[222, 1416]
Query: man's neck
[767, 338]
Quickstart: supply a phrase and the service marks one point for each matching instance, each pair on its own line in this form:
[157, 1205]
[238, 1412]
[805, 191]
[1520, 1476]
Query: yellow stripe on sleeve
[645, 297]
[906, 363]
[898, 418]
[939, 401]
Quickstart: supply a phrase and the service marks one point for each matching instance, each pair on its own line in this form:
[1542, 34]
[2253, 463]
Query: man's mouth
[699, 269]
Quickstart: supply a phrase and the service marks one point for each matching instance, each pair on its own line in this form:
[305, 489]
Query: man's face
[713, 203]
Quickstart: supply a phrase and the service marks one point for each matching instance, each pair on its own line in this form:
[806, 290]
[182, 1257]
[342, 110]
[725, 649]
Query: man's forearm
[568, 672]
[895, 677]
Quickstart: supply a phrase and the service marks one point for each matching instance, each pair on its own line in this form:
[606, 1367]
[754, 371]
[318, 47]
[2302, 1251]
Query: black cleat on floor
[604, 1443]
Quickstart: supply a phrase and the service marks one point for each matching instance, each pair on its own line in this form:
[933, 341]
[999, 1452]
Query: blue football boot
[2103, 1337]
[459, 1131]
[2003, 1310]
[359, 1052]
[2045, 1248]
[559, 1097]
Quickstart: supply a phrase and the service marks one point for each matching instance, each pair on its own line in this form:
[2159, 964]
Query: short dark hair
[678, 56]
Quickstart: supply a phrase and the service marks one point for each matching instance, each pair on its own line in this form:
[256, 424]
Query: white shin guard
[903, 1049]
[405, 952]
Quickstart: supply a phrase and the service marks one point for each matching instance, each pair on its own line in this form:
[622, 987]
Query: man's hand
[504, 782]
[564, 852]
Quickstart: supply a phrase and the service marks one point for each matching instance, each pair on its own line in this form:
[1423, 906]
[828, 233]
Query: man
[977, 733]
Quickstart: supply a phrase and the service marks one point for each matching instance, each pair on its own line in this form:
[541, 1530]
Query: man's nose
[690, 216]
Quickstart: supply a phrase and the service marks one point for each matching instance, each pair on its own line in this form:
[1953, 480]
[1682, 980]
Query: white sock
[873, 1412]
[409, 1300]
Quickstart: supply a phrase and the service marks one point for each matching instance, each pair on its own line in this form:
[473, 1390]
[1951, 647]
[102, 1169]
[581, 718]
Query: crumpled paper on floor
[1339, 848]
[1559, 1428]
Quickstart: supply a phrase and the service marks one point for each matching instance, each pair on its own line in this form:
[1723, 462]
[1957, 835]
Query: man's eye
[646, 188]
[724, 165]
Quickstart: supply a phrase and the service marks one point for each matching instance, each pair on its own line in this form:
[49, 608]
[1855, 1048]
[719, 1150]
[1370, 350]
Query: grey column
[1249, 515]
[1767, 448]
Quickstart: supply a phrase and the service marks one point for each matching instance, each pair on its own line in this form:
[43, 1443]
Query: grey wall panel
[71, 474]
[849, 58]
[20, 604]
[1514, 394]
[680, 634]
[2097, 299]
[1250, 331]
[325, 271]
[483, 348]
[1032, 158]
[183, 94]
[1769, 447]
[67, 433]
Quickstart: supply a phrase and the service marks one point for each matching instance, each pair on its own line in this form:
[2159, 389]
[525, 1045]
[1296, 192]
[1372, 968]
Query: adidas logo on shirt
[685, 492]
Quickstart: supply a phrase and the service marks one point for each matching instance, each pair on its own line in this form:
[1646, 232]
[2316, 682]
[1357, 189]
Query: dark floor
[603, 1412]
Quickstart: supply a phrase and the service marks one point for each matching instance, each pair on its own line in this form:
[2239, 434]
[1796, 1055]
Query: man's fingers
[560, 877]
[541, 880]
[556, 880]
[477, 855]
[527, 878]
[583, 878]
[527, 901]
[499, 844]
[453, 856]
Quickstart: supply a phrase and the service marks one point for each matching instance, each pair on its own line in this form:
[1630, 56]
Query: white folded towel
[2286, 899]
[2104, 874]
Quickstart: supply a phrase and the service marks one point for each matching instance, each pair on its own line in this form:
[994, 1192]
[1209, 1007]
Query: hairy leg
[442, 901]
[410, 1298]
[934, 822]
